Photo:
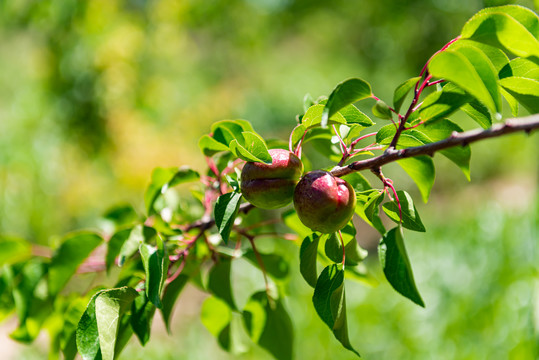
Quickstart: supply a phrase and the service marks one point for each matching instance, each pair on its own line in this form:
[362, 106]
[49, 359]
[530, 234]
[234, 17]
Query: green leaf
[486, 71]
[513, 103]
[155, 261]
[353, 115]
[209, 146]
[221, 323]
[216, 315]
[410, 216]
[87, 335]
[121, 216]
[163, 179]
[269, 325]
[219, 282]
[358, 182]
[114, 246]
[350, 132]
[308, 101]
[125, 331]
[239, 137]
[385, 135]
[421, 170]
[345, 93]
[498, 58]
[170, 295]
[354, 254]
[32, 305]
[226, 210]
[131, 245]
[307, 258]
[142, 312]
[253, 148]
[110, 305]
[381, 110]
[313, 117]
[402, 90]
[275, 265]
[440, 130]
[520, 67]
[314, 133]
[479, 113]
[291, 219]
[75, 248]
[396, 265]
[71, 317]
[330, 303]
[428, 133]
[234, 182]
[245, 125]
[471, 70]
[333, 248]
[227, 130]
[513, 28]
[443, 103]
[13, 250]
[525, 90]
[367, 208]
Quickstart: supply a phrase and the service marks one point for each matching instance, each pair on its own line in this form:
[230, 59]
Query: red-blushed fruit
[271, 186]
[324, 203]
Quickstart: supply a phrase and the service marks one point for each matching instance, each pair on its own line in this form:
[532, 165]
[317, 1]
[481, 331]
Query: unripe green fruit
[271, 186]
[324, 203]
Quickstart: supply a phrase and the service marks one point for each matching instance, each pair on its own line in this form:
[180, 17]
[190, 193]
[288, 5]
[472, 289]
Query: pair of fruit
[323, 202]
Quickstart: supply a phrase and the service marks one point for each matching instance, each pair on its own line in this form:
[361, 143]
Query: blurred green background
[95, 94]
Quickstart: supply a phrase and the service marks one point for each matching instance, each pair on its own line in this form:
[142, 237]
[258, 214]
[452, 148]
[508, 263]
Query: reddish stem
[436, 82]
[178, 271]
[290, 144]
[389, 183]
[297, 152]
[211, 165]
[354, 143]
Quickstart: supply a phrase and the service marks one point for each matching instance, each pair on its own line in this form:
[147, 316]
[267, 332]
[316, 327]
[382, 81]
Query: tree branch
[526, 124]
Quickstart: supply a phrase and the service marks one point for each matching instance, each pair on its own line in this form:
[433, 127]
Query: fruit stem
[388, 183]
